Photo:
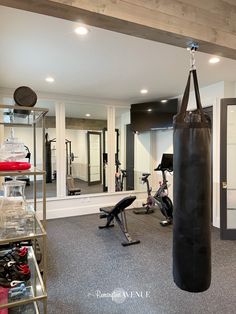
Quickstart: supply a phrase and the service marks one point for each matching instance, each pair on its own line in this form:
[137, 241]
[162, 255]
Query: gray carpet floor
[84, 261]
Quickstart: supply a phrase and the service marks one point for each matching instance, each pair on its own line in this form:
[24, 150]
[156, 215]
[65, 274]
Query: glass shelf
[35, 289]
[28, 172]
[19, 115]
[30, 308]
[23, 229]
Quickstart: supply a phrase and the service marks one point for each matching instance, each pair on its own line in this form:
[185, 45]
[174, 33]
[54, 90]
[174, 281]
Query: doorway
[94, 158]
[227, 169]
[105, 156]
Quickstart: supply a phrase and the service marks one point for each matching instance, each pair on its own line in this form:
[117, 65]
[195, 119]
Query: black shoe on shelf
[12, 274]
[16, 254]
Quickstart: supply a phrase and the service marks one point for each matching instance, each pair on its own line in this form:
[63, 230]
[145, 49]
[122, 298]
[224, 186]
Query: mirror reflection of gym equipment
[75, 185]
[51, 174]
[50, 171]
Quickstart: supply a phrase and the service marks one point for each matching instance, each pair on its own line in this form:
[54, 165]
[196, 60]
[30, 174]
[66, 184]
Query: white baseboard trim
[78, 206]
[90, 204]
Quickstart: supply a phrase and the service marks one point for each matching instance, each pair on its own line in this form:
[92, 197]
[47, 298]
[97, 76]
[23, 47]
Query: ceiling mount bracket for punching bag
[192, 47]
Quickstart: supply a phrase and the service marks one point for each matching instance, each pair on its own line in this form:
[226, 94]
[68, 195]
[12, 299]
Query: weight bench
[72, 189]
[117, 212]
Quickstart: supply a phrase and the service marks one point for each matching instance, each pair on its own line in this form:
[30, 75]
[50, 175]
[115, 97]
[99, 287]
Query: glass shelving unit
[29, 227]
[19, 115]
[29, 308]
[30, 172]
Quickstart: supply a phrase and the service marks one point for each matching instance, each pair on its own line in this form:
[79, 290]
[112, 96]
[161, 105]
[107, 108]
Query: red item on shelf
[3, 299]
[14, 166]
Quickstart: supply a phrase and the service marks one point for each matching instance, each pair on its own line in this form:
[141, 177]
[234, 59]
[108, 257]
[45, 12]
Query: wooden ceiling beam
[173, 22]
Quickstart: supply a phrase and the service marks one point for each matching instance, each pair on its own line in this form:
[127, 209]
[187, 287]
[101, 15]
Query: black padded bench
[117, 212]
[72, 189]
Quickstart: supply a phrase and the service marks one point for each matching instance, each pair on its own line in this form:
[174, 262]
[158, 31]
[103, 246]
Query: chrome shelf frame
[30, 117]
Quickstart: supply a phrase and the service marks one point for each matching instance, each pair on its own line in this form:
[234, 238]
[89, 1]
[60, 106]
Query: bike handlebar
[159, 168]
[145, 176]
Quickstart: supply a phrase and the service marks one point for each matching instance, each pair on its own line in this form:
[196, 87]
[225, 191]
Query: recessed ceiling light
[164, 100]
[144, 91]
[81, 30]
[49, 79]
[214, 60]
[149, 110]
[88, 115]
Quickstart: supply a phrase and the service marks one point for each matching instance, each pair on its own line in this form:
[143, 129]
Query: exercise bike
[160, 198]
[120, 175]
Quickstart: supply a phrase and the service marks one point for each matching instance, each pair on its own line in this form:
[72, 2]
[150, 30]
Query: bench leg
[106, 226]
[109, 223]
[123, 226]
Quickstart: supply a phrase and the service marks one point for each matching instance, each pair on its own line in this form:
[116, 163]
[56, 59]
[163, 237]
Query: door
[228, 169]
[94, 158]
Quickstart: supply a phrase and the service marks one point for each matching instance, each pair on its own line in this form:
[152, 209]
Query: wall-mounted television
[153, 115]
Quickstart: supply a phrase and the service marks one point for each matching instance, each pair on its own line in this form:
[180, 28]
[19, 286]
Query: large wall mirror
[84, 152]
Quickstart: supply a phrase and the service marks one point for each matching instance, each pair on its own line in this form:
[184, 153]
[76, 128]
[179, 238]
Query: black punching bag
[192, 195]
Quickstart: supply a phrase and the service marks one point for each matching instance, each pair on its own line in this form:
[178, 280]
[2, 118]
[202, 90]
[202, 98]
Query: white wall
[142, 158]
[164, 144]
[229, 89]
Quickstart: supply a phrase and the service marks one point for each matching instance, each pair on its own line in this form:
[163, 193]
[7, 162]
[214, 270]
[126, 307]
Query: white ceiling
[103, 64]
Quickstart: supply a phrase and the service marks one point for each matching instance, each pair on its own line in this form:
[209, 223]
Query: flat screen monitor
[153, 115]
[167, 161]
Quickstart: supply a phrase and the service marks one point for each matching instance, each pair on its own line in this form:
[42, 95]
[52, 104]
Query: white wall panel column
[60, 149]
[111, 148]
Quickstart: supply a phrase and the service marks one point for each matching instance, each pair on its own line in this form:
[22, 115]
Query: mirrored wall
[139, 153]
[84, 148]
[133, 157]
